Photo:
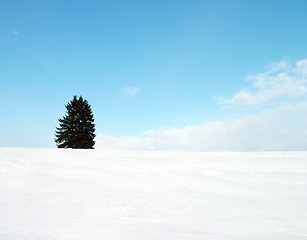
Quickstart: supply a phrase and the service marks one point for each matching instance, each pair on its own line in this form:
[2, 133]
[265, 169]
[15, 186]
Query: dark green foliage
[77, 128]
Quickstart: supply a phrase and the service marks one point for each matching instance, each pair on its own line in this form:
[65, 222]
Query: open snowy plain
[52, 194]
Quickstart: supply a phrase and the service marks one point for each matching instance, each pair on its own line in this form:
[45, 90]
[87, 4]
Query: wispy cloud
[131, 91]
[14, 32]
[280, 80]
[279, 126]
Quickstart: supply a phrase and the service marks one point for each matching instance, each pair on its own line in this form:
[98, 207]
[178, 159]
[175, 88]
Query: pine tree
[77, 128]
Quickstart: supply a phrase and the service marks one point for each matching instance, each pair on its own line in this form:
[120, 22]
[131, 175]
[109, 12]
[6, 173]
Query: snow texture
[60, 194]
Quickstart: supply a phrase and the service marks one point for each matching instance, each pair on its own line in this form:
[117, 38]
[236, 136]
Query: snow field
[68, 194]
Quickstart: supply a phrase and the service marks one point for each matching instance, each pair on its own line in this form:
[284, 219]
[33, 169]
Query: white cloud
[301, 68]
[280, 80]
[131, 91]
[281, 126]
[277, 67]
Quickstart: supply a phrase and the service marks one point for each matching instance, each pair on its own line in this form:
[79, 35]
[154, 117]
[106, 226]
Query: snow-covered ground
[52, 194]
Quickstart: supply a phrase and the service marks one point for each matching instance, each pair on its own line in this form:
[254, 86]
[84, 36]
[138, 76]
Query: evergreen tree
[77, 128]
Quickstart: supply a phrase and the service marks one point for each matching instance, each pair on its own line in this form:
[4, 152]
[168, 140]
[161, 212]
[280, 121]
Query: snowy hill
[52, 194]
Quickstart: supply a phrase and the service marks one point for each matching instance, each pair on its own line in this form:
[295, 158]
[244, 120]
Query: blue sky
[170, 75]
